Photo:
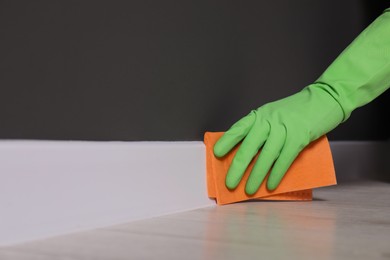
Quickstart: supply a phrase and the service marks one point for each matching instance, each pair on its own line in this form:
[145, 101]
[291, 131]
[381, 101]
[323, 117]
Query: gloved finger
[234, 135]
[287, 156]
[267, 157]
[248, 149]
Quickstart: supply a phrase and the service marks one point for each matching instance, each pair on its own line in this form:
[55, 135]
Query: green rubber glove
[283, 128]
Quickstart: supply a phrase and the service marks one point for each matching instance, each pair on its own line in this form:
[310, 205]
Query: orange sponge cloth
[313, 168]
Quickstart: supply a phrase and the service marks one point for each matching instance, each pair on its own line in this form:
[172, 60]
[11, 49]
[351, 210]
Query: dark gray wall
[167, 70]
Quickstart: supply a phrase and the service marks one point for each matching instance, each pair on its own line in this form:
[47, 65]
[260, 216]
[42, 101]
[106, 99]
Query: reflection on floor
[343, 222]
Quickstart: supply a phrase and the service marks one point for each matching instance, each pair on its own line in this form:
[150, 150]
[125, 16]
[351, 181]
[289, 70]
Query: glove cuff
[362, 71]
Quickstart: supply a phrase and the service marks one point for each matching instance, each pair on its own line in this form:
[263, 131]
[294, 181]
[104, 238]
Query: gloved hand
[283, 128]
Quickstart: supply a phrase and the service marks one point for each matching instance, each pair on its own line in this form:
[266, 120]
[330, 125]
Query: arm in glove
[284, 127]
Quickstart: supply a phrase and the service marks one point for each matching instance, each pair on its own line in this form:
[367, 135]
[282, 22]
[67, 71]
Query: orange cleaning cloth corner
[313, 168]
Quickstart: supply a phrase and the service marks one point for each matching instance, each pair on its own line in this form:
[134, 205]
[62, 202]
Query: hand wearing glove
[283, 128]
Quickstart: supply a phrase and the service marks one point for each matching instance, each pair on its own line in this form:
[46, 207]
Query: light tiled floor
[343, 222]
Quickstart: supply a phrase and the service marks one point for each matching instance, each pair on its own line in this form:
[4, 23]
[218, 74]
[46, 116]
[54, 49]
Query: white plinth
[49, 188]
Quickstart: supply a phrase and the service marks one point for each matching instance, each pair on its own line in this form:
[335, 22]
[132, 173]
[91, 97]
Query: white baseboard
[50, 188]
